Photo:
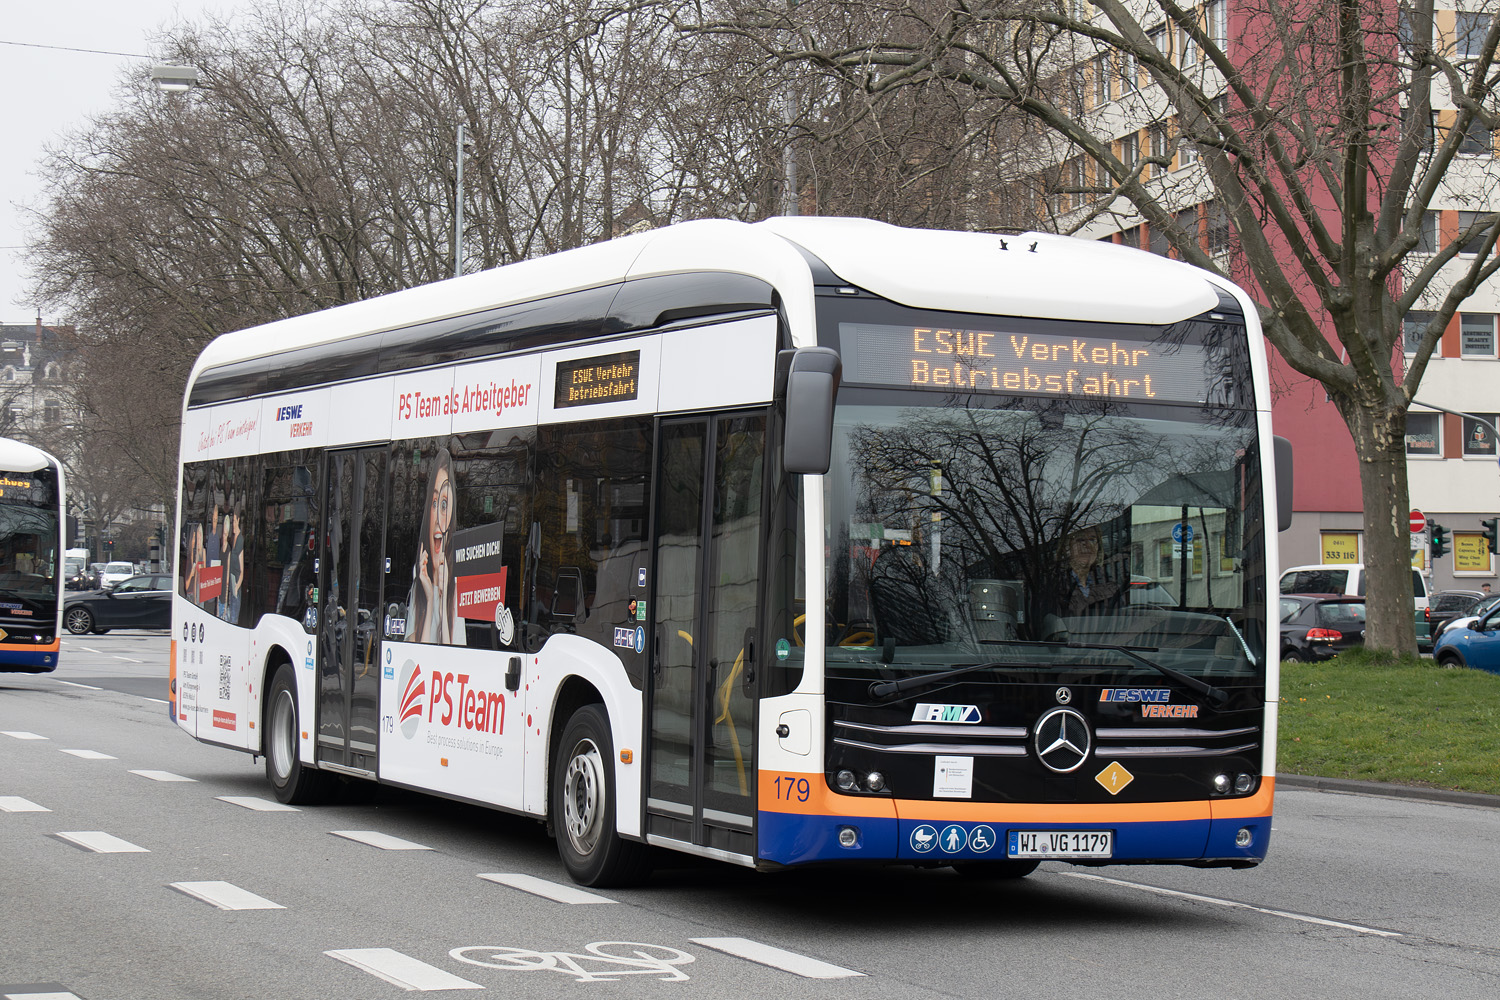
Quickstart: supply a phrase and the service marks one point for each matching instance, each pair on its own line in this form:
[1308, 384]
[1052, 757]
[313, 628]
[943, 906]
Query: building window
[1472, 27]
[1101, 80]
[52, 373]
[9, 375]
[1431, 234]
[1187, 49]
[16, 411]
[1160, 244]
[1424, 432]
[1477, 335]
[1412, 329]
[1465, 220]
[1187, 221]
[1130, 150]
[1476, 140]
[51, 412]
[1161, 145]
[1479, 440]
[1220, 229]
[1216, 21]
[1129, 72]
[1158, 37]
[1187, 152]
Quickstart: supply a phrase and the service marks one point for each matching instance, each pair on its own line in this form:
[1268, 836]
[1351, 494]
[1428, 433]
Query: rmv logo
[966, 714]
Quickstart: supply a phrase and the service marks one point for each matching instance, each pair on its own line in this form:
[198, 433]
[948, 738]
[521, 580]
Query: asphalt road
[200, 892]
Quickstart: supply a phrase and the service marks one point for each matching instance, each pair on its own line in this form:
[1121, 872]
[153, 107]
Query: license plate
[1061, 844]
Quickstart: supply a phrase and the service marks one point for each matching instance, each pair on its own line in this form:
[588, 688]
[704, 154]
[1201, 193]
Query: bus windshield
[1040, 534]
[28, 558]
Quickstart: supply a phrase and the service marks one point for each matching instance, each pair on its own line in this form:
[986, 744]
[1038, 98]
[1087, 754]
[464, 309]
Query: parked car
[1467, 621]
[1320, 626]
[1342, 578]
[136, 602]
[1476, 645]
[1444, 606]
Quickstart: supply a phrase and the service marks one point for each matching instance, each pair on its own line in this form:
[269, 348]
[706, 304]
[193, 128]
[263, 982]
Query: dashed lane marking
[86, 687]
[258, 804]
[16, 804]
[401, 970]
[102, 843]
[226, 896]
[550, 890]
[36, 991]
[777, 958]
[129, 659]
[90, 755]
[162, 776]
[22, 735]
[384, 841]
[1235, 904]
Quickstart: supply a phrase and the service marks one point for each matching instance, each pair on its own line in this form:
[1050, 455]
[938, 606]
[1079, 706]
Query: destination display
[606, 379]
[997, 361]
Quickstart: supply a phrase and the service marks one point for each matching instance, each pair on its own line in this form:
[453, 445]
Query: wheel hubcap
[78, 621]
[583, 797]
[283, 715]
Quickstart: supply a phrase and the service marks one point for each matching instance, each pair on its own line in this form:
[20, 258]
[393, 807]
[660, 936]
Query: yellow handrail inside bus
[725, 690]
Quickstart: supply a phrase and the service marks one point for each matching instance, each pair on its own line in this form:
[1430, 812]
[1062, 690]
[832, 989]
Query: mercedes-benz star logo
[1062, 740]
[1064, 695]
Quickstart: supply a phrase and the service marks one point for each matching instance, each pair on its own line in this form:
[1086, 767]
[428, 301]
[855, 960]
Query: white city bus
[814, 540]
[31, 572]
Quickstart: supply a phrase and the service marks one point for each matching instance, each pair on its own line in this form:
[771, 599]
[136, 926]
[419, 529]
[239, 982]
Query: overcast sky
[47, 92]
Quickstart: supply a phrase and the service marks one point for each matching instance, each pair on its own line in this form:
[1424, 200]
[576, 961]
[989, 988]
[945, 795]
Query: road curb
[1444, 795]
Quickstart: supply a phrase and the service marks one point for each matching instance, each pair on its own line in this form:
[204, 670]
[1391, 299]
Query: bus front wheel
[293, 783]
[583, 806]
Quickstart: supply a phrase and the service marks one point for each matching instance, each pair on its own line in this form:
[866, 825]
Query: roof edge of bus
[1007, 274]
[697, 245]
[18, 456]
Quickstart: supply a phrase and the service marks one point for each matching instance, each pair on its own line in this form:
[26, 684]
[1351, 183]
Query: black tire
[292, 781]
[78, 620]
[1448, 658]
[1293, 656]
[583, 806]
[1008, 869]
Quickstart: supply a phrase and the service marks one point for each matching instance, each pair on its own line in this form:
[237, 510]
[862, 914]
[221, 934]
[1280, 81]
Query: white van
[1342, 578]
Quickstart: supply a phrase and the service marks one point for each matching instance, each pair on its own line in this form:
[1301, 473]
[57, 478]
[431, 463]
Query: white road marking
[42, 996]
[159, 701]
[401, 970]
[776, 958]
[16, 804]
[90, 649]
[22, 735]
[226, 896]
[102, 843]
[550, 890]
[384, 841]
[162, 776]
[129, 659]
[75, 684]
[90, 754]
[1235, 904]
[258, 804]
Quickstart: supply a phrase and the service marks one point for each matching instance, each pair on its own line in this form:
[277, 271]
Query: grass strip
[1374, 716]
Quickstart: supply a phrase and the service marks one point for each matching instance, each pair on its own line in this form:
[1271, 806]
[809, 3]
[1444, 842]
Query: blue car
[1474, 645]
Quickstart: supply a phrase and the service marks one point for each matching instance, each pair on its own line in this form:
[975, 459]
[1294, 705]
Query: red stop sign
[1418, 521]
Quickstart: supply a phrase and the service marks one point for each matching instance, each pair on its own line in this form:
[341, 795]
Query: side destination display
[608, 378]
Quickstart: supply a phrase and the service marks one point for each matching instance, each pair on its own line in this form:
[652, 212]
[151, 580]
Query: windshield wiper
[1218, 696]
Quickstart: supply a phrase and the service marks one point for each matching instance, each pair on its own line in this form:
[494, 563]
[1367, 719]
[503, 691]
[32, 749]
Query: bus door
[708, 544]
[351, 573]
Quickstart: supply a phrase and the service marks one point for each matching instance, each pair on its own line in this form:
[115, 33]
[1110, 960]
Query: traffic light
[1490, 533]
[1439, 540]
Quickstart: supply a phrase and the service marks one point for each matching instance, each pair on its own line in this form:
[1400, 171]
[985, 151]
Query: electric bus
[810, 541]
[31, 545]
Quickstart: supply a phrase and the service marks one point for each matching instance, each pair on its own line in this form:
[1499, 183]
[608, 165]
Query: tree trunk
[1380, 443]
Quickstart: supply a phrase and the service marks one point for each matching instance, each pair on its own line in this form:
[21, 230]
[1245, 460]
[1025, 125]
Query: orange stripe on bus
[31, 647]
[786, 797]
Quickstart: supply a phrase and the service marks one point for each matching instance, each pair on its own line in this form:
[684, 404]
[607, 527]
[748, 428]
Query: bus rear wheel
[583, 806]
[293, 783]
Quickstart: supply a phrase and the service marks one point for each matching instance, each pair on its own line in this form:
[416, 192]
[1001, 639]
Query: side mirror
[1283, 456]
[811, 386]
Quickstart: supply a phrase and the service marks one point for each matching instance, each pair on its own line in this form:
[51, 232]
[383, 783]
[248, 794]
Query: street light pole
[458, 208]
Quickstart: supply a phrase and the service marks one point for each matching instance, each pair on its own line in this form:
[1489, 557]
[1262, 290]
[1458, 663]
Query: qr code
[224, 662]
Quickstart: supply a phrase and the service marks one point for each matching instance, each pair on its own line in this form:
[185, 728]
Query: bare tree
[1326, 130]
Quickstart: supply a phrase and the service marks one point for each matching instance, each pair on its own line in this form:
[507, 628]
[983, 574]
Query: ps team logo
[966, 714]
[413, 699]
